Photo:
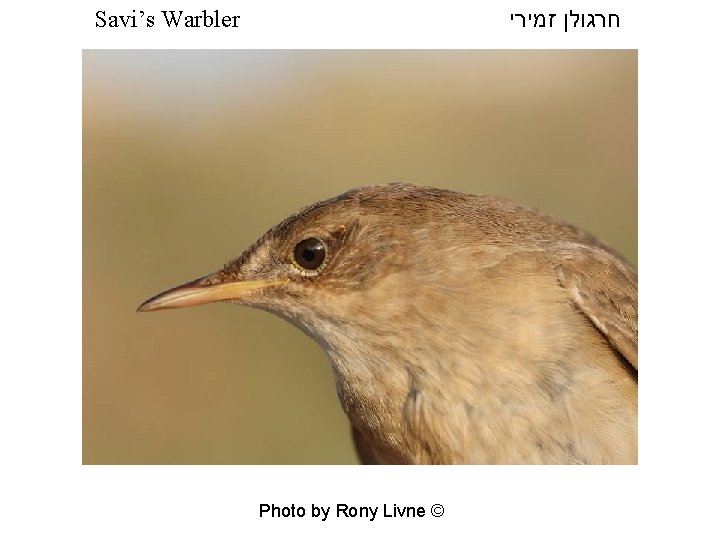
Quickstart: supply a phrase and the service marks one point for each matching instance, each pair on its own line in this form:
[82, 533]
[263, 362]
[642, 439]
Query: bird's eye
[310, 253]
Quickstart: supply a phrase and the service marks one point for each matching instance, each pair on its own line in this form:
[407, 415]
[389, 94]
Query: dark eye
[310, 253]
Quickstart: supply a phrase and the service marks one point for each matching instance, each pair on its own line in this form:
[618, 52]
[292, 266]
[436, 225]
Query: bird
[460, 328]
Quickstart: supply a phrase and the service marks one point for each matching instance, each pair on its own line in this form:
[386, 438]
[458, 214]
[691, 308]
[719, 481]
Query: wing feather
[605, 288]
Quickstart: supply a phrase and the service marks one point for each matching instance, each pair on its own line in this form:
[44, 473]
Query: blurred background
[189, 156]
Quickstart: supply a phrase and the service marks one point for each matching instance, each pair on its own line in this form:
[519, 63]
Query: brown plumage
[460, 328]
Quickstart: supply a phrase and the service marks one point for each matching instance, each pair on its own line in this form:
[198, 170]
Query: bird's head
[306, 266]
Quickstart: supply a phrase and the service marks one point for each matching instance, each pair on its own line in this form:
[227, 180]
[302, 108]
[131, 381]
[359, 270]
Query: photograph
[251, 248]
[440, 248]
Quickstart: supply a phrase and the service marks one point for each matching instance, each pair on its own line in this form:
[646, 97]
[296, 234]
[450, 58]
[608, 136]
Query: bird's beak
[203, 291]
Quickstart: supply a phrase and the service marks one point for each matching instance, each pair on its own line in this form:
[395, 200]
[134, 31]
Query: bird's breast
[499, 369]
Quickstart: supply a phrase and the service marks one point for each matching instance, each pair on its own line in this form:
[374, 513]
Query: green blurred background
[189, 156]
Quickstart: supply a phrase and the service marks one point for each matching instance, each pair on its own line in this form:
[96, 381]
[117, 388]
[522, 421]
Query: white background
[46, 492]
